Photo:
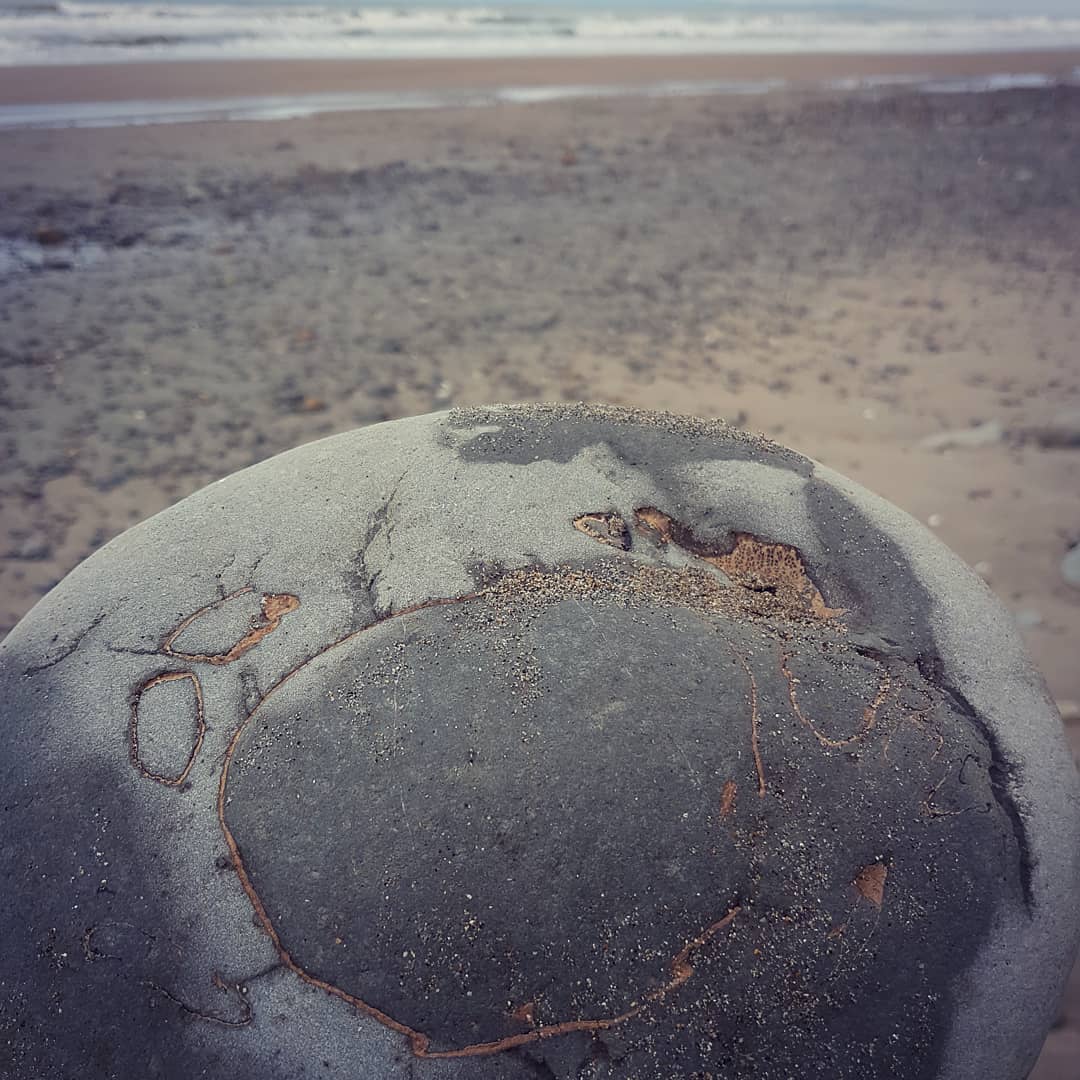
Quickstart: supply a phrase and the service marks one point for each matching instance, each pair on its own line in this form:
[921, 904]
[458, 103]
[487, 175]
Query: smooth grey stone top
[535, 741]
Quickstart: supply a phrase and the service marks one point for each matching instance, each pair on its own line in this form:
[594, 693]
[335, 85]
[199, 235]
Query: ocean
[88, 31]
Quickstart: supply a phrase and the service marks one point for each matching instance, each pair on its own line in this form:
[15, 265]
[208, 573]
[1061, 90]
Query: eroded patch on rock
[749, 561]
[222, 631]
[606, 528]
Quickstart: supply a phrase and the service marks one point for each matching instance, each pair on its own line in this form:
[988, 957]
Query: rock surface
[537, 741]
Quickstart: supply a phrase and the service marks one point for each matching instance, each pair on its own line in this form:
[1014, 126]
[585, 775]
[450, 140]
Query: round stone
[534, 741]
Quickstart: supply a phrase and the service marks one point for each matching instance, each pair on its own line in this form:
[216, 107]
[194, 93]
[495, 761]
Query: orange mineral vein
[755, 723]
[275, 606]
[133, 728]
[869, 717]
[727, 799]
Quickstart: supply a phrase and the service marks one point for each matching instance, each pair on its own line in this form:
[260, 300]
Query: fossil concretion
[530, 742]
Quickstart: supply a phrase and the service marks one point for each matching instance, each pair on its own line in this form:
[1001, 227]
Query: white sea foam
[34, 32]
[285, 107]
[962, 84]
[981, 84]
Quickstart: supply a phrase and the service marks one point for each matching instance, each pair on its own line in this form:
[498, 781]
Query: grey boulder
[533, 741]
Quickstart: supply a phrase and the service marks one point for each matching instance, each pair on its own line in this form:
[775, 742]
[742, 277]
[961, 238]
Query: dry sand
[849, 275]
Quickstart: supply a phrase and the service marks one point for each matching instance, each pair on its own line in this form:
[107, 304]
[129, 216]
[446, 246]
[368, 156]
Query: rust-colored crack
[750, 561]
[420, 1044]
[681, 968]
[607, 528]
[727, 799]
[755, 723]
[870, 883]
[681, 971]
[869, 717]
[275, 606]
[133, 727]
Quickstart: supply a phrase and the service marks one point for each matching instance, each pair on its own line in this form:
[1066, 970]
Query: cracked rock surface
[537, 741]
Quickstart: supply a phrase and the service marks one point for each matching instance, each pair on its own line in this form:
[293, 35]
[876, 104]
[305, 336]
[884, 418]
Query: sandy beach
[203, 79]
[886, 280]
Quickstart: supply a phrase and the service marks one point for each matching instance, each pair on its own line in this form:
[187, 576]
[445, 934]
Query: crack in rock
[72, 646]
[1003, 773]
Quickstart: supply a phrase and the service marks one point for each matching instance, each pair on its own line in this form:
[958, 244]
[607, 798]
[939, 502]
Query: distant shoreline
[200, 80]
[119, 32]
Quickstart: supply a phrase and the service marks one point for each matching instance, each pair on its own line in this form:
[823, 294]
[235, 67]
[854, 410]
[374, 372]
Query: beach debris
[985, 434]
[1070, 566]
[1060, 433]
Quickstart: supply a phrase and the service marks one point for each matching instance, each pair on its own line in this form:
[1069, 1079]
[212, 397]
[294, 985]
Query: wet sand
[850, 275]
[210, 79]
